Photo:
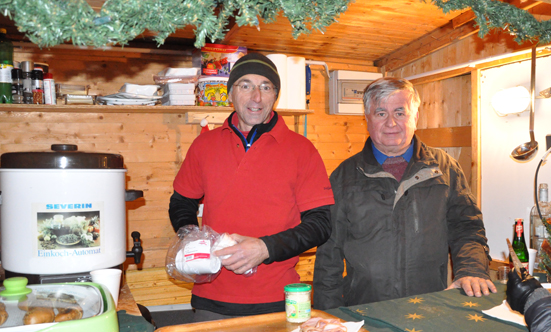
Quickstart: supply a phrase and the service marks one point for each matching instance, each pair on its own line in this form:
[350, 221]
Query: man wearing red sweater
[263, 184]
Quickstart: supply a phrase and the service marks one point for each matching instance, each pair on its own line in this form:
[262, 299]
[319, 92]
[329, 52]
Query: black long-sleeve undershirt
[183, 211]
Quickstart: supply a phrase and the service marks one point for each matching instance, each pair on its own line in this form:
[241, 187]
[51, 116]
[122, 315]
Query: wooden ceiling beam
[96, 4]
[425, 45]
[542, 52]
[526, 4]
[233, 29]
[458, 28]
[462, 19]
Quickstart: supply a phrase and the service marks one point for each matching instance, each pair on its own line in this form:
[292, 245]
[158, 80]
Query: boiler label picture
[67, 229]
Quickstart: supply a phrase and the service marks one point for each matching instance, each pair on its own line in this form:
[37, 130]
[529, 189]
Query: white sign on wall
[346, 91]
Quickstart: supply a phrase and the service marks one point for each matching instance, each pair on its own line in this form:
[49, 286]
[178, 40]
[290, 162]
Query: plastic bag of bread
[190, 255]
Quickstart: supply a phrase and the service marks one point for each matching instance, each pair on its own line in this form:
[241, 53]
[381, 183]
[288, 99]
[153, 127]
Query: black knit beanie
[255, 63]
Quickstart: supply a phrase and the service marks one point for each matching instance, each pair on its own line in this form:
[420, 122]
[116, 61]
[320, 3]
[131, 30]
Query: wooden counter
[275, 322]
[127, 302]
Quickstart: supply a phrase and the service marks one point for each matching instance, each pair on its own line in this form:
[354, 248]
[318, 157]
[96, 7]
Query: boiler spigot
[137, 249]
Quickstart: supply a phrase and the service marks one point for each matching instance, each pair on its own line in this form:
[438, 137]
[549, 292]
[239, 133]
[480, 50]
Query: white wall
[508, 185]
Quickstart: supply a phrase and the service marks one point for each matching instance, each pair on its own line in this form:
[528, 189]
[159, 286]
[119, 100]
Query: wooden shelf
[132, 109]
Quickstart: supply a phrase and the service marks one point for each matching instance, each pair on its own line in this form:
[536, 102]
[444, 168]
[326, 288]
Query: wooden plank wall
[446, 104]
[461, 53]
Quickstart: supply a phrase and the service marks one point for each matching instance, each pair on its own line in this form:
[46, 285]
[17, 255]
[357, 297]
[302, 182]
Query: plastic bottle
[37, 77]
[538, 231]
[49, 89]
[6, 65]
[27, 68]
[519, 244]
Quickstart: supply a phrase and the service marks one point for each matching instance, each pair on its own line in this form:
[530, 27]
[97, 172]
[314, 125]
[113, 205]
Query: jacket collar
[367, 154]
[422, 155]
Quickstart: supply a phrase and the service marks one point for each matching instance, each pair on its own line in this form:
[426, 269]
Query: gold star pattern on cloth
[470, 304]
[414, 316]
[361, 312]
[476, 318]
[450, 311]
[415, 300]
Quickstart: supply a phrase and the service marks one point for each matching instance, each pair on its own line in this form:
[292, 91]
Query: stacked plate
[127, 98]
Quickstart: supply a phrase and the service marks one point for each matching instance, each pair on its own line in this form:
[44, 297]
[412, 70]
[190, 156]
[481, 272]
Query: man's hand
[246, 254]
[474, 286]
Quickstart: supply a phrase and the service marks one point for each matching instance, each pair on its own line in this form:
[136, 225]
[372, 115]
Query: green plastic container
[99, 311]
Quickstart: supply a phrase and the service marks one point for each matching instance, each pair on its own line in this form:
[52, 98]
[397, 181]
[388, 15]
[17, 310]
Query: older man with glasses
[263, 184]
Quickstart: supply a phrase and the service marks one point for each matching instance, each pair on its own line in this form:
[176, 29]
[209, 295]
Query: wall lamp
[511, 100]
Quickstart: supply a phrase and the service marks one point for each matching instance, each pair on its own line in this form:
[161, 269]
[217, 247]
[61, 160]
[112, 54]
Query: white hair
[379, 90]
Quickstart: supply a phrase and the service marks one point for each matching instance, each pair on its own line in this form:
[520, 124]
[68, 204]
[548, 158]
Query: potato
[39, 315]
[3, 313]
[69, 313]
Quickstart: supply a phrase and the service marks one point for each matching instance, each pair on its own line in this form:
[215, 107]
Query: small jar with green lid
[298, 305]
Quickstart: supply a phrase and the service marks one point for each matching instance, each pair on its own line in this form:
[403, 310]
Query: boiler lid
[61, 156]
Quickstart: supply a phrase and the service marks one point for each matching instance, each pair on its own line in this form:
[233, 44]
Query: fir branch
[52, 22]
[493, 14]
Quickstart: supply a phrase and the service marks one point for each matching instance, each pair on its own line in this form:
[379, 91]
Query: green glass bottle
[6, 65]
[519, 244]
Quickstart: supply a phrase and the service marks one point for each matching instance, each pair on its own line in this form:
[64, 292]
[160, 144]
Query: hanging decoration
[494, 14]
[52, 22]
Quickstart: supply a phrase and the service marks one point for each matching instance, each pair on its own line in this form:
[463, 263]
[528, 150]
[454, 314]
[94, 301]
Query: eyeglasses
[264, 88]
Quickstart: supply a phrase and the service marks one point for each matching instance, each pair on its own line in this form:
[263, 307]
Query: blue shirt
[381, 157]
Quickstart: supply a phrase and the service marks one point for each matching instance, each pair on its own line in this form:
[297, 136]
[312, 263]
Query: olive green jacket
[395, 236]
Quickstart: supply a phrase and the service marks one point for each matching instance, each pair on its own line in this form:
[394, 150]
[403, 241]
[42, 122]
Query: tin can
[212, 91]
[298, 305]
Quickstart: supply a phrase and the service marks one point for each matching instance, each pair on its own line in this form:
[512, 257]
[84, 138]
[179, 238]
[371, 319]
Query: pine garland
[52, 22]
[493, 14]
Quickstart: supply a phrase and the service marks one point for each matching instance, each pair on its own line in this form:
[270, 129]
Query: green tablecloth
[448, 311]
[131, 323]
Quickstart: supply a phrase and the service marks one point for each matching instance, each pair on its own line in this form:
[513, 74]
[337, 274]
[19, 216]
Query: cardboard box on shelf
[212, 91]
[217, 59]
